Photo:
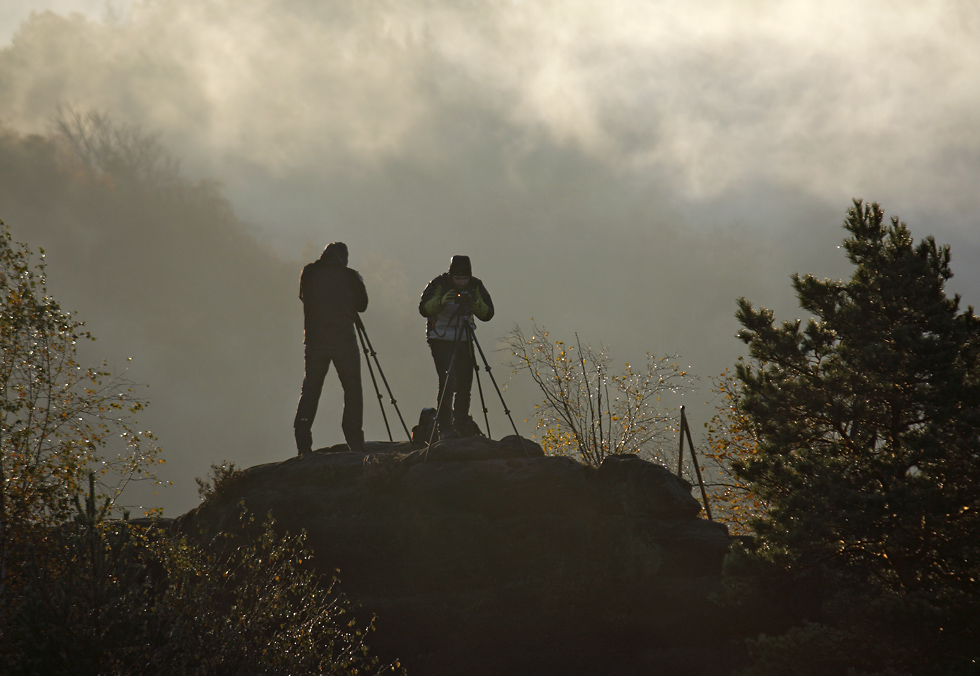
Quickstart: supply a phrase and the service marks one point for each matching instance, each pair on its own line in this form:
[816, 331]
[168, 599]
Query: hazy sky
[622, 169]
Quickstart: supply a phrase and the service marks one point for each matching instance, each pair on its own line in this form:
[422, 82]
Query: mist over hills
[622, 170]
[168, 275]
[163, 276]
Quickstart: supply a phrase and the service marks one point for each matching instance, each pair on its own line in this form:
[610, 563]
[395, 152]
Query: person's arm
[482, 303]
[358, 291]
[430, 304]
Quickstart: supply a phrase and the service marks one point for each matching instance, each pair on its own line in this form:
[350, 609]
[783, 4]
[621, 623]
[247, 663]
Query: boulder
[486, 557]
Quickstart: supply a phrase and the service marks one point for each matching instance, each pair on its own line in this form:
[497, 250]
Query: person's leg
[442, 356]
[463, 379]
[317, 364]
[348, 365]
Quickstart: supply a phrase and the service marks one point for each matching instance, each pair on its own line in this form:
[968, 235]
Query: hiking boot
[467, 427]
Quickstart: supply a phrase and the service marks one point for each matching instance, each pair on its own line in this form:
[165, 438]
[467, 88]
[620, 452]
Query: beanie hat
[459, 266]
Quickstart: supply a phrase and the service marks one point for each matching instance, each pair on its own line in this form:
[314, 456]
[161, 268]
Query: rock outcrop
[488, 557]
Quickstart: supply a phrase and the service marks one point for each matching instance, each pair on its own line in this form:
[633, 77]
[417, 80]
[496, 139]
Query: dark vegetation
[115, 597]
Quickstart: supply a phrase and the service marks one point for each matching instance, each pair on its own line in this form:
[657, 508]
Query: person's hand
[480, 307]
[448, 297]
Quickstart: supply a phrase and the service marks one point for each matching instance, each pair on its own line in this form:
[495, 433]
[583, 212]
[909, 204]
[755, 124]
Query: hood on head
[460, 266]
[336, 252]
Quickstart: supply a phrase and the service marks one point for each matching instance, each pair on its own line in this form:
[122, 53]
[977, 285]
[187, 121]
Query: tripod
[465, 339]
[369, 354]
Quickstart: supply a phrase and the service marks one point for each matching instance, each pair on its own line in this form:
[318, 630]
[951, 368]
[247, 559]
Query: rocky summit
[487, 557]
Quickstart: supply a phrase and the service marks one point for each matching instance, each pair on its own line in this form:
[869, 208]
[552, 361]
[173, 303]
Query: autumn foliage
[729, 440]
[60, 420]
[590, 412]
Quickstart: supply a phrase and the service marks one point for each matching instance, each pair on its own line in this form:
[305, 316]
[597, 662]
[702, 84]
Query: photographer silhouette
[449, 303]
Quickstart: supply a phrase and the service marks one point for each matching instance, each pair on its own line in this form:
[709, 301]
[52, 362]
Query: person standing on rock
[448, 303]
[333, 295]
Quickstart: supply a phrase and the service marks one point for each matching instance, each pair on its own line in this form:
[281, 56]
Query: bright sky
[14, 12]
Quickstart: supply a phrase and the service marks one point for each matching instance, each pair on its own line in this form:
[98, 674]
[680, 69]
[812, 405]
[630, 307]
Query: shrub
[112, 597]
[589, 411]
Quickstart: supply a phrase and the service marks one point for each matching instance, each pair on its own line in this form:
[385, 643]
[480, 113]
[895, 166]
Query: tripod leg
[374, 355]
[391, 396]
[360, 334]
[499, 394]
[479, 386]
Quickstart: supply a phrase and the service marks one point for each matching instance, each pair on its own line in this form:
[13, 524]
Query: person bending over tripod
[332, 295]
[448, 303]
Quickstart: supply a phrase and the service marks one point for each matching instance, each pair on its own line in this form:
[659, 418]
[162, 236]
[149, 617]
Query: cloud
[708, 94]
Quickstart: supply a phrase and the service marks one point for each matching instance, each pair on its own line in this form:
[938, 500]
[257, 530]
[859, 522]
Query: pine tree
[868, 418]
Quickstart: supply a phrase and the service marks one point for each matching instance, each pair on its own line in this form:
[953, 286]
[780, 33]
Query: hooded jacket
[445, 320]
[332, 295]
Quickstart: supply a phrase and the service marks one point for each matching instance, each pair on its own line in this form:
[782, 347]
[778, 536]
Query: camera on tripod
[463, 298]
